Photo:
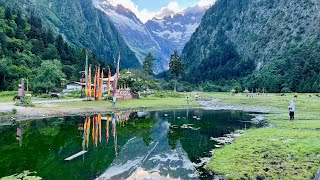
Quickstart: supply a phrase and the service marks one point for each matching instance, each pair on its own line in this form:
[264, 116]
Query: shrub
[8, 93]
[167, 94]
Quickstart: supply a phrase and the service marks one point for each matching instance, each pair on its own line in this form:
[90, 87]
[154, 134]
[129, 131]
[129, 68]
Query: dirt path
[38, 112]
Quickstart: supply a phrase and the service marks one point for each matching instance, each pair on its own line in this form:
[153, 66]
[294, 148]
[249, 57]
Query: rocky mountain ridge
[158, 36]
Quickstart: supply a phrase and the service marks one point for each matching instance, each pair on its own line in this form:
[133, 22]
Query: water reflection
[127, 145]
[19, 135]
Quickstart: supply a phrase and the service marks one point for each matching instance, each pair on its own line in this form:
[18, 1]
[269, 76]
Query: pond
[127, 145]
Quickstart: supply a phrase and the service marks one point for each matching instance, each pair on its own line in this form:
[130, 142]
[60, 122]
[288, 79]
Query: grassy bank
[142, 103]
[283, 150]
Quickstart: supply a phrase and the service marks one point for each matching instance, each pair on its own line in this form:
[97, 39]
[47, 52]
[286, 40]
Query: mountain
[178, 28]
[133, 30]
[81, 24]
[158, 36]
[271, 43]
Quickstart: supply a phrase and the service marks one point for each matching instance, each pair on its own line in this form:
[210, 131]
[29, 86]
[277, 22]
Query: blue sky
[147, 9]
[154, 5]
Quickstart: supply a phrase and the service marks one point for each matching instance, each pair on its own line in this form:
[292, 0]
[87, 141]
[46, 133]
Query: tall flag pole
[89, 83]
[86, 73]
[109, 76]
[116, 78]
[95, 84]
[98, 83]
[100, 86]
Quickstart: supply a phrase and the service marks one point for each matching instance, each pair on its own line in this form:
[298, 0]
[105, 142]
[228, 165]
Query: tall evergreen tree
[176, 67]
[21, 23]
[59, 43]
[8, 14]
[147, 64]
[50, 37]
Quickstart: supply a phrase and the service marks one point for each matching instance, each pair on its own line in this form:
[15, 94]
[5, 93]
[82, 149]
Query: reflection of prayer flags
[99, 123]
[88, 130]
[107, 129]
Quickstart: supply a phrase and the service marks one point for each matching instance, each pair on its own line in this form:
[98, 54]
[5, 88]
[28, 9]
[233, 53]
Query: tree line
[30, 51]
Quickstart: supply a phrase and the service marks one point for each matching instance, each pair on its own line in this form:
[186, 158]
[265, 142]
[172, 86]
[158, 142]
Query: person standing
[292, 108]
[114, 100]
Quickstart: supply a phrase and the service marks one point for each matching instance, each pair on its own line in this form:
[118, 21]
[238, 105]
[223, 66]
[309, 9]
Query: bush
[44, 96]
[8, 93]
[167, 94]
[212, 88]
[285, 90]
[25, 102]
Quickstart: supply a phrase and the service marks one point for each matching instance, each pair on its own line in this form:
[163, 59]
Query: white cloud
[171, 9]
[144, 15]
[206, 2]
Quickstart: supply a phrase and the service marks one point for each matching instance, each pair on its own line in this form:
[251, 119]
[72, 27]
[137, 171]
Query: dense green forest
[81, 25]
[256, 44]
[30, 51]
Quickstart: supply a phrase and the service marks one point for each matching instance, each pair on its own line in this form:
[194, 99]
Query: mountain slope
[178, 28]
[237, 38]
[158, 36]
[133, 30]
[82, 25]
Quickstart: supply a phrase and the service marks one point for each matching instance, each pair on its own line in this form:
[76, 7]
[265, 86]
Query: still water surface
[160, 145]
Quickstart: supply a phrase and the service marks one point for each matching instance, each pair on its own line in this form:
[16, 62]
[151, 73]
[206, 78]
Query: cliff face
[236, 38]
[82, 25]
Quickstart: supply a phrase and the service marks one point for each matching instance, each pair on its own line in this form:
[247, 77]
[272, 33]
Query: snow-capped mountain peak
[159, 36]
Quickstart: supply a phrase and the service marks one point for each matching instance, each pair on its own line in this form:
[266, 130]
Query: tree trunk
[175, 85]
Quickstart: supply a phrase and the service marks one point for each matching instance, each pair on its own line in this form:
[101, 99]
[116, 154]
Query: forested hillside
[30, 51]
[258, 44]
[82, 25]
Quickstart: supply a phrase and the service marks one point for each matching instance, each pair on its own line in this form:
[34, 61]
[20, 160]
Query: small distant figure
[114, 101]
[187, 100]
[295, 96]
[291, 108]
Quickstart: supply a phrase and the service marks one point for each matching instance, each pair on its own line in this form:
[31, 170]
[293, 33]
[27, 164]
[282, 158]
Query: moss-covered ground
[282, 149]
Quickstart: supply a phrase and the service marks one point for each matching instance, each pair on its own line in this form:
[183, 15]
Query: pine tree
[21, 23]
[147, 64]
[8, 14]
[59, 43]
[176, 67]
[49, 37]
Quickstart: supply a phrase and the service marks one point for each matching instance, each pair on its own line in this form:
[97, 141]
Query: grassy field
[282, 150]
[142, 103]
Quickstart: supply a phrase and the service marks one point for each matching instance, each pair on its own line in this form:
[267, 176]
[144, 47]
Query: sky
[147, 9]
